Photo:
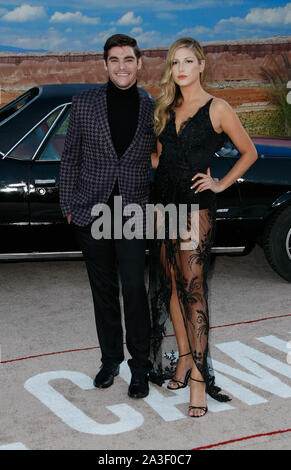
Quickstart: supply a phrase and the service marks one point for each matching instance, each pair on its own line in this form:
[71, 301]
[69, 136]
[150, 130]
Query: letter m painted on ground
[250, 358]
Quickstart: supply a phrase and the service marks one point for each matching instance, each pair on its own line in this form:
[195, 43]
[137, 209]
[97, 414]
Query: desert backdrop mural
[247, 73]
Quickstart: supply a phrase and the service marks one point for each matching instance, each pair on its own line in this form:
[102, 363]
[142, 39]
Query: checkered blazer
[89, 163]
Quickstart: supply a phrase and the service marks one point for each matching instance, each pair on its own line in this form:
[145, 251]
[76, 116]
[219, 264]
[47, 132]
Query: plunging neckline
[184, 123]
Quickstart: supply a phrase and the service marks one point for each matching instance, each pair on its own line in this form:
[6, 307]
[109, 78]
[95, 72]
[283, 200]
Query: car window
[10, 108]
[28, 146]
[54, 146]
[228, 150]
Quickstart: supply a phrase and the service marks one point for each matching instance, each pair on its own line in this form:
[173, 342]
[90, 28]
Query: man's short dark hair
[121, 40]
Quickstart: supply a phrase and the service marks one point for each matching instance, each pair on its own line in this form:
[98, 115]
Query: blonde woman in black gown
[191, 126]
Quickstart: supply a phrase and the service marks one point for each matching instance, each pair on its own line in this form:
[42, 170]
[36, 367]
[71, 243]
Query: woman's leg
[185, 361]
[191, 273]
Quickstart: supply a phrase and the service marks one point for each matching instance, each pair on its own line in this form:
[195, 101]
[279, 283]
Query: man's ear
[105, 65]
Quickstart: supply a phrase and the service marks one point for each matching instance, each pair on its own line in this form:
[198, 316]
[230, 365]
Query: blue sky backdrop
[84, 25]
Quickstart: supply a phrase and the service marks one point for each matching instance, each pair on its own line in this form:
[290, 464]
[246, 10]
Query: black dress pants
[103, 258]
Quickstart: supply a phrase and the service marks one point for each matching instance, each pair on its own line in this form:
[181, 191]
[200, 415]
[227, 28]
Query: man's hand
[69, 217]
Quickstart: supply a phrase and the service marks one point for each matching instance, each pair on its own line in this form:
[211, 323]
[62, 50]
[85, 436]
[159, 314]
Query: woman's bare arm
[228, 121]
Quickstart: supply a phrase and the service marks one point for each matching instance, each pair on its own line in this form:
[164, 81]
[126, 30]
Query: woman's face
[185, 67]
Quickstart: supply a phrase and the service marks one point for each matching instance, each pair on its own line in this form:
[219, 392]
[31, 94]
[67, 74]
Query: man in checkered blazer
[107, 153]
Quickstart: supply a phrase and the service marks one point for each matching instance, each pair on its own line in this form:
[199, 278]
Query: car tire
[277, 242]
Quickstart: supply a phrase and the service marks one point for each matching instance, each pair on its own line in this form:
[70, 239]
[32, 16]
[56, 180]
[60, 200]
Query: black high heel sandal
[186, 379]
[203, 408]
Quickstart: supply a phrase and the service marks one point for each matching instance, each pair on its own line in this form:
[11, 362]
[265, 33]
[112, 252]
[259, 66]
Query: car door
[230, 235]
[14, 208]
[44, 174]
[15, 169]
[49, 226]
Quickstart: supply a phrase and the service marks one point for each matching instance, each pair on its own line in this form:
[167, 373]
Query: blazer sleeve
[71, 160]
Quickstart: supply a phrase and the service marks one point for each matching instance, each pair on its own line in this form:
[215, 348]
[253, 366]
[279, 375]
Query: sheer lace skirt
[181, 264]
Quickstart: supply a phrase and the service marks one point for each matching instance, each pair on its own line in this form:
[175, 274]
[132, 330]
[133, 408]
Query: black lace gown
[183, 155]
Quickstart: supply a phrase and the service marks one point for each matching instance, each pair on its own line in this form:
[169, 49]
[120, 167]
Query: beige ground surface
[50, 355]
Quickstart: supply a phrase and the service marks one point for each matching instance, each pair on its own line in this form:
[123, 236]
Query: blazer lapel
[140, 124]
[102, 118]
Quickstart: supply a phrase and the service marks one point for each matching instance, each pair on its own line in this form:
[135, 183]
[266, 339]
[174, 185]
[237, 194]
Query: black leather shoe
[105, 377]
[139, 386]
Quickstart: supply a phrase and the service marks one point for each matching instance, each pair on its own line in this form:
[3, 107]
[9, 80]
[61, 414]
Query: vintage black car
[256, 209]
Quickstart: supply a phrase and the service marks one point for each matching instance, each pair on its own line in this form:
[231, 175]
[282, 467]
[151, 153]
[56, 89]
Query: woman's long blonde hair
[170, 96]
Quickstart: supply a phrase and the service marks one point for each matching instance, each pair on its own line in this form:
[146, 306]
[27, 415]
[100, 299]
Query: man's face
[122, 66]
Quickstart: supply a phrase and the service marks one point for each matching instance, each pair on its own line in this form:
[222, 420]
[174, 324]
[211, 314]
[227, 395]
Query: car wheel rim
[288, 244]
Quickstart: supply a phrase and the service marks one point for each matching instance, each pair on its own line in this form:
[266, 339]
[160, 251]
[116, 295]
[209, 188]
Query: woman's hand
[155, 160]
[155, 156]
[206, 182]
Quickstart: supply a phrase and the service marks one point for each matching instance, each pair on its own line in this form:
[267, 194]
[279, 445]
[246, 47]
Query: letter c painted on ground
[39, 386]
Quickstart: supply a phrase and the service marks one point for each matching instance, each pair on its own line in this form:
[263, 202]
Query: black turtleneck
[123, 109]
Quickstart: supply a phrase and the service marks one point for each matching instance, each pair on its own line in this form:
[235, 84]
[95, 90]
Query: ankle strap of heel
[196, 380]
[187, 354]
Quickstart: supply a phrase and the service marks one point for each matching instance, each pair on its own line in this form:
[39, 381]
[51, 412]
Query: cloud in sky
[164, 15]
[79, 25]
[101, 37]
[141, 5]
[195, 31]
[254, 24]
[25, 13]
[52, 39]
[129, 19]
[136, 30]
[76, 17]
[262, 17]
[150, 38]
[270, 16]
